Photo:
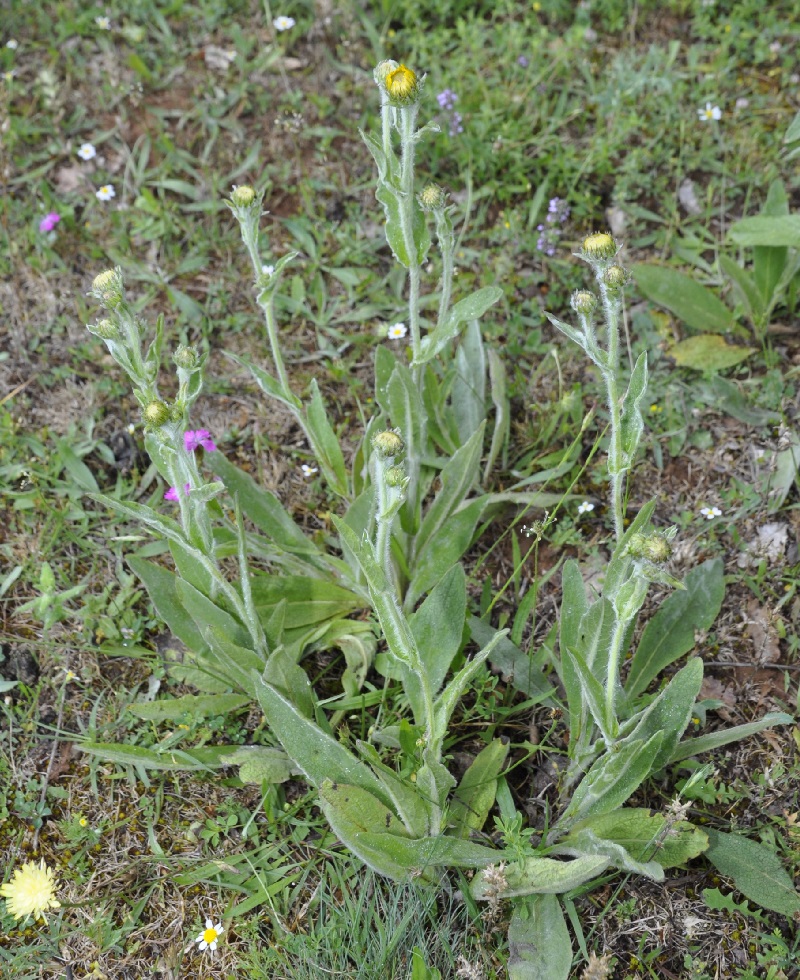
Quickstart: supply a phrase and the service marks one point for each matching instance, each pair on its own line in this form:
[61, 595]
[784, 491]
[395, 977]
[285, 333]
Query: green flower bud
[653, 547]
[432, 198]
[243, 196]
[615, 277]
[156, 414]
[105, 329]
[599, 247]
[387, 444]
[186, 357]
[107, 287]
[395, 476]
[584, 302]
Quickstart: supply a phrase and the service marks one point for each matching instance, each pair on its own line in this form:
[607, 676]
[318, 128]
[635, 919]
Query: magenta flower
[172, 493]
[198, 437]
[49, 221]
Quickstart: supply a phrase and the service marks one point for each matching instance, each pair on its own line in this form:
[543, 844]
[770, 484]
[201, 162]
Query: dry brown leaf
[762, 632]
[68, 179]
[218, 59]
[713, 689]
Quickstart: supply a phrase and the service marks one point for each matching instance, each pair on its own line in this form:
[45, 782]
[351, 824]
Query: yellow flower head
[599, 246]
[31, 891]
[401, 82]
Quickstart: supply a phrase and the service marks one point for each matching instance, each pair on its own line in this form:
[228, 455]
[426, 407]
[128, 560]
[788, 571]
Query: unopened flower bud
[401, 85]
[652, 547]
[432, 197]
[615, 277]
[156, 413]
[243, 196]
[584, 302]
[105, 329]
[107, 287]
[395, 476]
[599, 246]
[387, 444]
[186, 357]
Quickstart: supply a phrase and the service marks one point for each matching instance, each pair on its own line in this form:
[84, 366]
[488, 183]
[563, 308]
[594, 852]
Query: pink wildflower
[172, 493]
[49, 221]
[198, 437]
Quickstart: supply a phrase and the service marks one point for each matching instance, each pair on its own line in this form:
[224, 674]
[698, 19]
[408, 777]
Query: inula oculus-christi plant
[412, 503]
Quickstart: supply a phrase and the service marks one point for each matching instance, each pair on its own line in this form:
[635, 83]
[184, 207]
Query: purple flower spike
[172, 493]
[447, 99]
[49, 221]
[198, 437]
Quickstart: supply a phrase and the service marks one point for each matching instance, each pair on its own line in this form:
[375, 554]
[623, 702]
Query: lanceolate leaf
[539, 876]
[317, 754]
[691, 302]
[612, 779]
[715, 740]
[539, 945]
[671, 632]
[263, 508]
[476, 792]
[636, 840]
[197, 706]
[325, 443]
[470, 308]
[390, 851]
[669, 714]
[308, 600]
[438, 625]
[768, 231]
[756, 871]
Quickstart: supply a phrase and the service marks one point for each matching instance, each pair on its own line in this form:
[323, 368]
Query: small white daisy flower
[710, 112]
[267, 270]
[585, 507]
[105, 193]
[86, 151]
[397, 331]
[209, 936]
[8, 75]
[104, 23]
[12, 43]
[283, 23]
[307, 470]
[710, 512]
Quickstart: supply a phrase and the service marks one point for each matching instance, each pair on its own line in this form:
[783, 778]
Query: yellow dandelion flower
[31, 891]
